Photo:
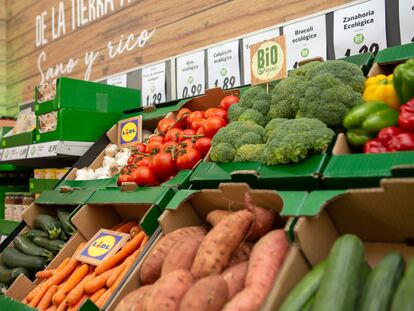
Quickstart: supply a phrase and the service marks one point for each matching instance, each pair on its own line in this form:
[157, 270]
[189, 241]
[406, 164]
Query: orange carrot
[125, 228]
[77, 292]
[114, 228]
[104, 297]
[24, 301]
[117, 271]
[51, 308]
[73, 280]
[78, 304]
[98, 282]
[65, 272]
[45, 274]
[62, 265]
[144, 242]
[94, 298]
[134, 231]
[128, 249]
[63, 305]
[38, 295]
[128, 264]
[47, 298]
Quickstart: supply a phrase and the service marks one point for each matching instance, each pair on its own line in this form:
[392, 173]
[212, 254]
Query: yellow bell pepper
[381, 88]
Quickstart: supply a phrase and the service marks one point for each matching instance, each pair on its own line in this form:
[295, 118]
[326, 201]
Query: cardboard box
[190, 207]
[381, 217]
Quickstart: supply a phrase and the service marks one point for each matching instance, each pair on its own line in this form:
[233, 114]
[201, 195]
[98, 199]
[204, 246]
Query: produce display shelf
[7, 226]
[40, 185]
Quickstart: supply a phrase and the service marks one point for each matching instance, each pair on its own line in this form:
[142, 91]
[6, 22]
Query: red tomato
[144, 176]
[200, 131]
[173, 134]
[212, 125]
[154, 147]
[145, 161]
[216, 112]
[192, 115]
[187, 132]
[156, 138]
[165, 124]
[163, 165]
[188, 159]
[140, 147]
[132, 159]
[227, 101]
[124, 178]
[203, 145]
[186, 144]
[197, 123]
[182, 117]
[169, 146]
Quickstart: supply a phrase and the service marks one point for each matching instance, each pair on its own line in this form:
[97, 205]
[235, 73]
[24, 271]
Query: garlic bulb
[85, 174]
[111, 150]
[107, 161]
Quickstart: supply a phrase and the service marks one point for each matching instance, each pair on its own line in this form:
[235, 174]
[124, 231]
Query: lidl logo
[129, 131]
[101, 246]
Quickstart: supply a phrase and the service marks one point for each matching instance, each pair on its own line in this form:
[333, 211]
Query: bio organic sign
[268, 60]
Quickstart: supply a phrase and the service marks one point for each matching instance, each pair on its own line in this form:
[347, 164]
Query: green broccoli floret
[254, 116]
[293, 148]
[350, 74]
[252, 127]
[234, 112]
[248, 97]
[328, 99]
[302, 71]
[248, 138]
[222, 152]
[225, 135]
[262, 106]
[250, 152]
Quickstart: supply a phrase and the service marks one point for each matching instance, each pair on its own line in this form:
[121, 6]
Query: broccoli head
[248, 138]
[248, 97]
[302, 71]
[250, 152]
[234, 112]
[222, 152]
[262, 106]
[292, 148]
[254, 116]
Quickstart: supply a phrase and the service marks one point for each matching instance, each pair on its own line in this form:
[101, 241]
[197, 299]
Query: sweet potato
[221, 241]
[168, 291]
[241, 254]
[151, 267]
[234, 277]
[207, 294]
[181, 255]
[214, 217]
[264, 264]
[135, 301]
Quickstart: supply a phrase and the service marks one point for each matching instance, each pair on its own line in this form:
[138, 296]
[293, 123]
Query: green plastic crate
[40, 185]
[18, 140]
[89, 96]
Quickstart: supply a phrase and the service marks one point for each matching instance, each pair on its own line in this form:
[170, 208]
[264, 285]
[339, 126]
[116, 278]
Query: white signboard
[153, 84]
[15, 153]
[360, 28]
[191, 75]
[406, 8]
[304, 40]
[120, 80]
[223, 66]
[43, 150]
[247, 42]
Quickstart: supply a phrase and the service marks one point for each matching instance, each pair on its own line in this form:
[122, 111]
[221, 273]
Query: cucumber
[308, 306]
[52, 245]
[7, 276]
[31, 234]
[13, 258]
[48, 224]
[26, 246]
[305, 289]
[381, 283]
[67, 226]
[404, 296]
[63, 236]
[339, 286]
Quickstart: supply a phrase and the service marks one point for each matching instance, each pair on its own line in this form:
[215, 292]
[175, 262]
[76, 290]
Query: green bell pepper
[404, 80]
[358, 114]
[357, 137]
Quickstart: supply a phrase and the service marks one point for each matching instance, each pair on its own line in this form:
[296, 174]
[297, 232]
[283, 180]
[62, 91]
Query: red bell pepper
[406, 117]
[387, 133]
[402, 142]
[375, 146]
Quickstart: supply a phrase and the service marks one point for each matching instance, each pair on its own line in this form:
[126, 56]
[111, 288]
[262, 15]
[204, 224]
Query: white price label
[118, 80]
[223, 66]
[153, 84]
[247, 42]
[190, 75]
[360, 29]
[406, 8]
[15, 153]
[1, 154]
[304, 40]
[48, 149]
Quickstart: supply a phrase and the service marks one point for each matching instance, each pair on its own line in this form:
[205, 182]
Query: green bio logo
[152, 88]
[223, 72]
[304, 52]
[268, 61]
[359, 38]
[190, 80]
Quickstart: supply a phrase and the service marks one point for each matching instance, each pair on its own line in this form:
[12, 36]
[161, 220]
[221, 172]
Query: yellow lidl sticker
[130, 131]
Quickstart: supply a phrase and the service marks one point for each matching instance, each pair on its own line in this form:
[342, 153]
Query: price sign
[15, 153]
[130, 131]
[1, 154]
[247, 42]
[304, 40]
[406, 8]
[49, 149]
[223, 66]
[120, 80]
[153, 84]
[268, 60]
[190, 75]
[360, 29]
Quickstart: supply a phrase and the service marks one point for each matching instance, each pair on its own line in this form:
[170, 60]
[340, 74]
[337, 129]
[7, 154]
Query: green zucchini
[67, 226]
[26, 246]
[339, 286]
[381, 283]
[52, 245]
[13, 258]
[7, 276]
[48, 224]
[305, 289]
[404, 296]
[63, 236]
[31, 234]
